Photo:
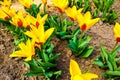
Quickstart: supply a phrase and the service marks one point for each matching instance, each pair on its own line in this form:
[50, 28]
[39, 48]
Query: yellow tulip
[39, 20]
[117, 32]
[9, 11]
[85, 21]
[26, 3]
[3, 15]
[6, 3]
[19, 20]
[38, 34]
[76, 74]
[72, 12]
[44, 1]
[60, 4]
[26, 50]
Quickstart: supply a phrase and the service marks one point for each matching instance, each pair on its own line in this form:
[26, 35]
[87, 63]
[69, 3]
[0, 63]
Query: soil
[13, 69]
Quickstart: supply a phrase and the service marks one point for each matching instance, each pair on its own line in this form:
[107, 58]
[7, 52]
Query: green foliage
[34, 10]
[79, 4]
[104, 8]
[108, 60]
[18, 33]
[62, 29]
[44, 64]
[80, 46]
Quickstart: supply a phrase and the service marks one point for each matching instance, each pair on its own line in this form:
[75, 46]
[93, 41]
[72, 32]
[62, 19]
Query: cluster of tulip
[36, 49]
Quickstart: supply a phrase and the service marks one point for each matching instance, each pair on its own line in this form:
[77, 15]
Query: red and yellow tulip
[44, 1]
[19, 20]
[72, 12]
[3, 15]
[9, 11]
[85, 21]
[26, 50]
[39, 20]
[39, 34]
[60, 4]
[117, 32]
[6, 3]
[26, 3]
[76, 73]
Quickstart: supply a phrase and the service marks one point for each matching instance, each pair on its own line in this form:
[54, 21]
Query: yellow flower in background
[18, 19]
[117, 32]
[72, 12]
[60, 4]
[6, 3]
[38, 34]
[26, 50]
[85, 21]
[44, 1]
[9, 11]
[39, 20]
[26, 3]
[76, 74]
[3, 15]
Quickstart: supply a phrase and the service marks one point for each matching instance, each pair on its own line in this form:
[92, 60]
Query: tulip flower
[26, 50]
[85, 21]
[6, 3]
[10, 12]
[76, 74]
[38, 34]
[26, 3]
[39, 20]
[19, 20]
[3, 15]
[60, 4]
[44, 1]
[72, 12]
[117, 32]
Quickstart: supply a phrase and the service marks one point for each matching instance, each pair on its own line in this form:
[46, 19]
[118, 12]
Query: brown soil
[13, 69]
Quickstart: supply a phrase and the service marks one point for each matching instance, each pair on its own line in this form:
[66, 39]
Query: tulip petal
[74, 68]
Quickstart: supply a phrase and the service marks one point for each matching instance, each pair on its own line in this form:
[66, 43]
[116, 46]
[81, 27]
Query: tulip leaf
[87, 52]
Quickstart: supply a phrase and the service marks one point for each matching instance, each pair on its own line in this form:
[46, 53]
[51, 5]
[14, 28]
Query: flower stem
[44, 8]
[73, 26]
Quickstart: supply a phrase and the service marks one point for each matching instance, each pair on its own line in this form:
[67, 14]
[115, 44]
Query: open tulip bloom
[60, 4]
[72, 12]
[38, 34]
[6, 3]
[26, 50]
[117, 32]
[26, 3]
[76, 74]
[85, 21]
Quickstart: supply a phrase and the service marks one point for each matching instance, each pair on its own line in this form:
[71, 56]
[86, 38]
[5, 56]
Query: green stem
[73, 27]
[81, 35]
[44, 8]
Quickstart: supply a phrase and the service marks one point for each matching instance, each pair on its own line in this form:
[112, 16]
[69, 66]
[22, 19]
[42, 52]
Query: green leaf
[112, 73]
[99, 62]
[87, 52]
[115, 51]
[84, 42]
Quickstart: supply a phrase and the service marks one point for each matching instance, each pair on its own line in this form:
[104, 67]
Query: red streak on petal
[72, 19]
[6, 18]
[20, 23]
[39, 43]
[83, 27]
[28, 26]
[60, 10]
[37, 24]
[118, 39]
